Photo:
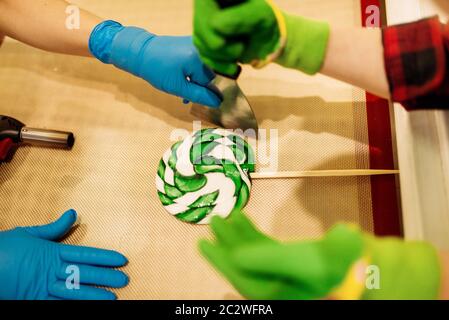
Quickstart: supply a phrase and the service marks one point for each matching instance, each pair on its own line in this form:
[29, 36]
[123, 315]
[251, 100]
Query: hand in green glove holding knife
[257, 32]
[334, 267]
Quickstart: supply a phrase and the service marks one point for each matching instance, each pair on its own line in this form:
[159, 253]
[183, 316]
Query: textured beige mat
[123, 127]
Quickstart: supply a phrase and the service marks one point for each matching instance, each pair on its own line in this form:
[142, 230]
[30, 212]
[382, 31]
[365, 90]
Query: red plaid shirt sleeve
[417, 63]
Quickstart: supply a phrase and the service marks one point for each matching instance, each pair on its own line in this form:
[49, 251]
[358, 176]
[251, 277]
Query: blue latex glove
[170, 64]
[32, 266]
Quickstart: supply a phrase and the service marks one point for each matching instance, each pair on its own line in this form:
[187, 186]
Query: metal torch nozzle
[50, 138]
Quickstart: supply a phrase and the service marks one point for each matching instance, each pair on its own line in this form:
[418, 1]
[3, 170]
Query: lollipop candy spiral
[204, 175]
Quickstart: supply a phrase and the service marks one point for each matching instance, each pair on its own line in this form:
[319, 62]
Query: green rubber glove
[257, 32]
[334, 267]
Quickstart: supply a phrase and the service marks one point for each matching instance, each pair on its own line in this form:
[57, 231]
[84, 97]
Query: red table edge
[384, 192]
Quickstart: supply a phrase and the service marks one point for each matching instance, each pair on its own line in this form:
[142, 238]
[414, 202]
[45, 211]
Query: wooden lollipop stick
[320, 173]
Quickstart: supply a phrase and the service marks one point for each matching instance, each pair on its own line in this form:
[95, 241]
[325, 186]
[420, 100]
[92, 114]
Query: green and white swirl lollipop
[204, 175]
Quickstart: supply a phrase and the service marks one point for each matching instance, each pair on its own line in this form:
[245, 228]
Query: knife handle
[229, 3]
[230, 76]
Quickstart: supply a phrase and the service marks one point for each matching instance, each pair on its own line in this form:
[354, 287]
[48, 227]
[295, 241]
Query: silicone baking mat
[123, 126]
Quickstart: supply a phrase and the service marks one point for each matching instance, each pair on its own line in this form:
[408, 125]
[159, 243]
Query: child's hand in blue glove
[32, 266]
[170, 64]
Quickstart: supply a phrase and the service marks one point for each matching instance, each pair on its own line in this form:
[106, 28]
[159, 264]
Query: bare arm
[42, 24]
[355, 56]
